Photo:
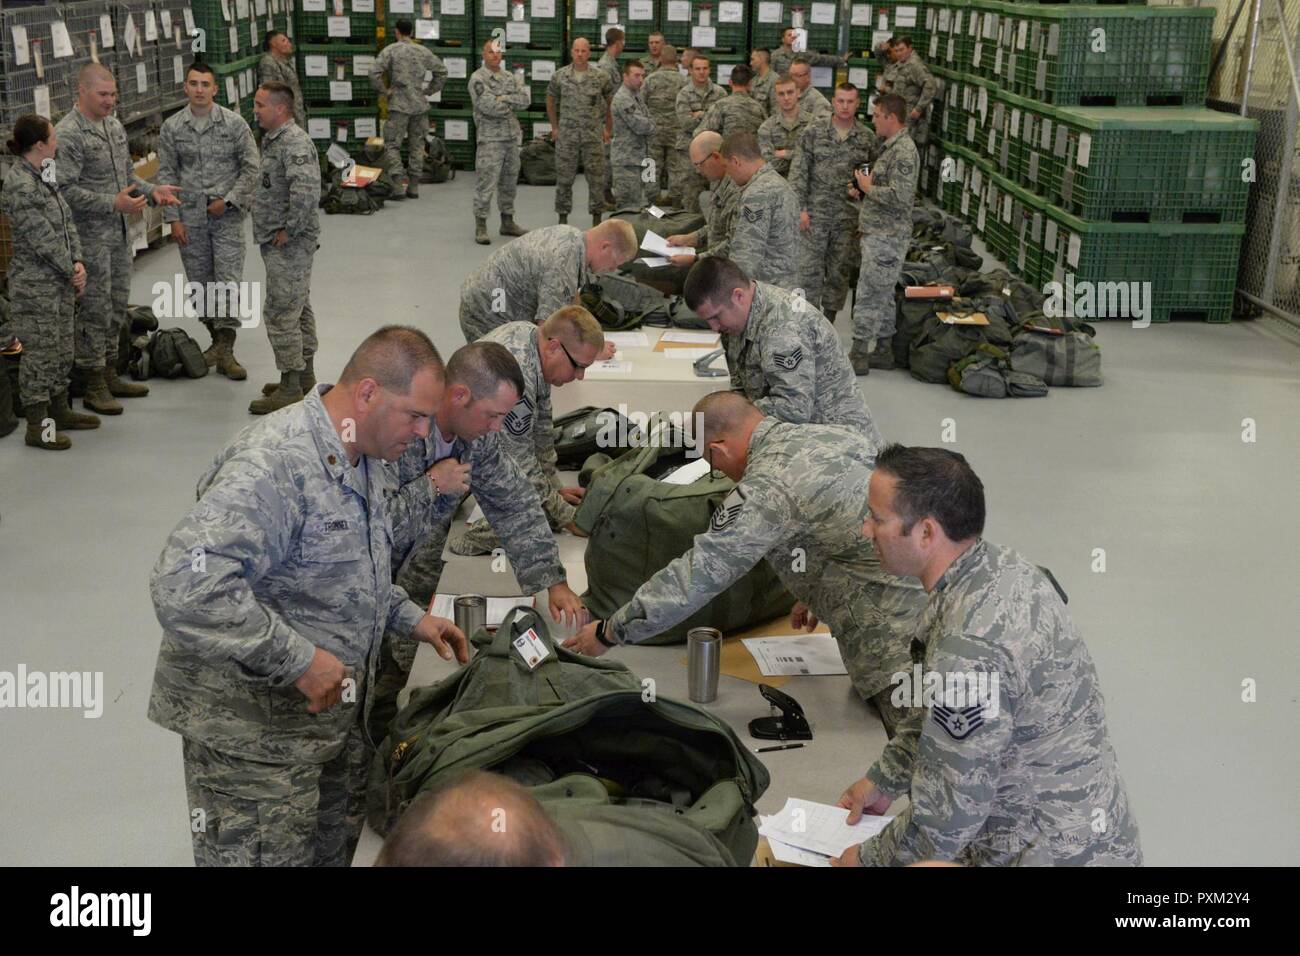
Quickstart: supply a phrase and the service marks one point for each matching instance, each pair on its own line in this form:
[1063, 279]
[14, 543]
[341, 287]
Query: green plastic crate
[438, 23]
[960, 190]
[966, 112]
[1154, 56]
[538, 67]
[863, 73]
[900, 18]
[456, 128]
[534, 125]
[1001, 139]
[531, 24]
[591, 20]
[358, 124]
[950, 42]
[731, 37]
[346, 70]
[461, 62]
[317, 26]
[1013, 224]
[244, 74]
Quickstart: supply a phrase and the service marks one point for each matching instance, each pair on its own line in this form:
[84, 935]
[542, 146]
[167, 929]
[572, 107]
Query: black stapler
[789, 724]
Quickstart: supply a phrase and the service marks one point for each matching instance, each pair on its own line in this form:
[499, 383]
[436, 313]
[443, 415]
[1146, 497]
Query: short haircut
[801, 60]
[93, 73]
[667, 51]
[573, 325]
[784, 79]
[404, 26]
[741, 75]
[577, 40]
[655, 33]
[904, 40]
[848, 88]
[764, 51]
[700, 56]
[29, 129]
[482, 367]
[270, 35]
[711, 280]
[631, 63]
[690, 53]
[392, 355]
[723, 412]
[620, 232]
[614, 35]
[282, 93]
[475, 818]
[935, 483]
[198, 66]
[743, 145]
[894, 105]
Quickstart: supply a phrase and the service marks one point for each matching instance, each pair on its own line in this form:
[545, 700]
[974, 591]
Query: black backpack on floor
[171, 353]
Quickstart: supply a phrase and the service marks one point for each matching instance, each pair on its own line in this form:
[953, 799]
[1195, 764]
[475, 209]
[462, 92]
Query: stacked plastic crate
[1082, 131]
[175, 50]
[720, 29]
[34, 76]
[230, 37]
[592, 19]
[337, 43]
[136, 62]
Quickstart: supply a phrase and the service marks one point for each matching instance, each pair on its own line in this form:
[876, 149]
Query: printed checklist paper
[798, 655]
[817, 828]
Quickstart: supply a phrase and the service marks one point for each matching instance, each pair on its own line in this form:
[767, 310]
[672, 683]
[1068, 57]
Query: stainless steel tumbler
[470, 613]
[703, 658]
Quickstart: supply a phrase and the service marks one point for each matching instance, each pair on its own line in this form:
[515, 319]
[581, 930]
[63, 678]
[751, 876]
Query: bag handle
[498, 644]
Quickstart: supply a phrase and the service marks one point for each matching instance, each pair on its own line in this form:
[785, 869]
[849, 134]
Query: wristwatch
[600, 634]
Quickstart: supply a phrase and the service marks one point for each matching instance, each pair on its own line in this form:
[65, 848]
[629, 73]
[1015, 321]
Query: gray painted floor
[1200, 534]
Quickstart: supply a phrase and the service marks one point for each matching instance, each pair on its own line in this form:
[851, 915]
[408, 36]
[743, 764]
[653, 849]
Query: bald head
[727, 415]
[91, 74]
[704, 145]
[474, 819]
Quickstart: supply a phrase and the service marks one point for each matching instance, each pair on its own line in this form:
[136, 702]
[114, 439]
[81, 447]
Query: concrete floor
[1200, 534]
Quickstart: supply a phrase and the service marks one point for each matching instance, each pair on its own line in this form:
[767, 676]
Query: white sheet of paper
[785, 853]
[41, 100]
[691, 338]
[704, 37]
[653, 242]
[769, 13]
[21, 56]
[684, 354]
[653, 262]
[860, 15]
[318, 128]
[688, 473]
[800, 655]
[543, 9]
[824, 13]
[679, 10]
[818, 827]
[655, 211]
[585, 10]
[612, 367]
[731, 12]
[628, 340]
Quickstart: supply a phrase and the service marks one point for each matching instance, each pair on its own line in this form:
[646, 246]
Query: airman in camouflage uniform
[765, 238]
[1022, 775]
[693, 102]
[784, 56]
[497, 95]
[414, 71]
[737, 113]
[577, 104]
[44, 273]
[551, 354]
[761, 86]
[800, 501]
[615, 40]
[780, 133]
[820, 173]
[654, 49]
[885, 224]
[660, 95]
[272, 592]
[908, 76]
[719, 205]
[783, 354]
[629, 144]
[94, 173]
[210, 151]
[277, 66]
[286, 224]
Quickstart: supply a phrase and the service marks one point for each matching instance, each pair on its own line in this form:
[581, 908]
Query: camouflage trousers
[919, 130]
[215, 254]
[830, 248]
[629, 189]
[41, 308]
[874, 315]
[570, 147]
[496, 171]
[405, 128]
[101, 310]
[264, 814]
[688, 181]
[661, 154]
[290, 321]
[474, 325]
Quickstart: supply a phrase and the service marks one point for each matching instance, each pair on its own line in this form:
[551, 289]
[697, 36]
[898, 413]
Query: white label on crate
[945, 19]
[365, 127]
[990, 25]
[1006, 208]
[457, 130]
[260, 7]
[976, 180]
[905, 17]
[951, 51]
[730, 12]
[361, 64]
[246, 83]
[1015, 123]
[1062, 140]
[965, 203]
[1085, 150]
[318, 128]
[131, 35]
[313, 6]
[979, 219]
[704, 37]
[141, 78]
[1053, 38]
[1040, 75]
[543, 9]
[178, 70]
[1022, 34]
[165, 18]
[288, 27]
[342, 134]
[1049, 237]
[517, 12]
[984, 104]
[860, 15]
[234, 40]
[824, 13]
[977, 55]
[62, 42]
[363, 6]
[543, 70]
[106, 31]
[767, 12]
[1047, 134]
[956, 22]
[518, 32]
[1028, 133]
[1033, 166]
[457, 67]
[189, 21]
[997, 62]
[341, 90]
[878, 37]
[585, 10]
[1020, 258]
[315, 65]
[252, 34]
[1036, 230]
[973, 23]
[494, 8]
[934, 45]
[338, 27]
[426, 29]
[452, 8]
[859, 77]
[705, 18]
[970, 130]
[642, 10]
[724, 73]
[232, 90]
[541, 130]
[1073, 250]
[41, 101]
[679, 11]
[241, 9]
[401, 6]
[150, 27]
[20, 50]
[993, 143]
[823, 76]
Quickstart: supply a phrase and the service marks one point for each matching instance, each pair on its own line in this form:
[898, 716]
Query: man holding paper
[783, 57]
[719, 209]
[799, 501]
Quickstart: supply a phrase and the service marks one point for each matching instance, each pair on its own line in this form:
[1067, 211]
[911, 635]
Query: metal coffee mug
[470, 613]
[703, 659]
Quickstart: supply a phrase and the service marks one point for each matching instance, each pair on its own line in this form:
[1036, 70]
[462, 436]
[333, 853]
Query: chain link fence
[1269, 275]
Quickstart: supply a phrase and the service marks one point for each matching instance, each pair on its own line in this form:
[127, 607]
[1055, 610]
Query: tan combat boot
[288, 392]
[38, 416]
[227, 364]
[120, 389]
[511, 228]
[68, 420]
[98, 398]
[480, 232]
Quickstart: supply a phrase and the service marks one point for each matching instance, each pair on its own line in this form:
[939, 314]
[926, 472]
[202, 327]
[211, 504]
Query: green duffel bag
[939, 345]
[987, 373]
[1058, 357]
[630, 777]
[667, 279]
[537, 163]
[620, 303]
[638, 524]
[583, 432]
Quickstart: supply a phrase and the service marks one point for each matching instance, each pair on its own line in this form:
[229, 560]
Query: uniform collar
[332, 454]
[757, 307]
[214, 115]
[760, 433]
[86, 123]
[893, 139]
[275, 133]
[965, 563]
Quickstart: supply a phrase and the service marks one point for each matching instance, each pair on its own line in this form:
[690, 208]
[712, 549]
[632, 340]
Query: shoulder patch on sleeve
[478, 87]
[302, 159]
[520, 420]
[958, 722]
[728, 511]
[752, 214]
[789, 360]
